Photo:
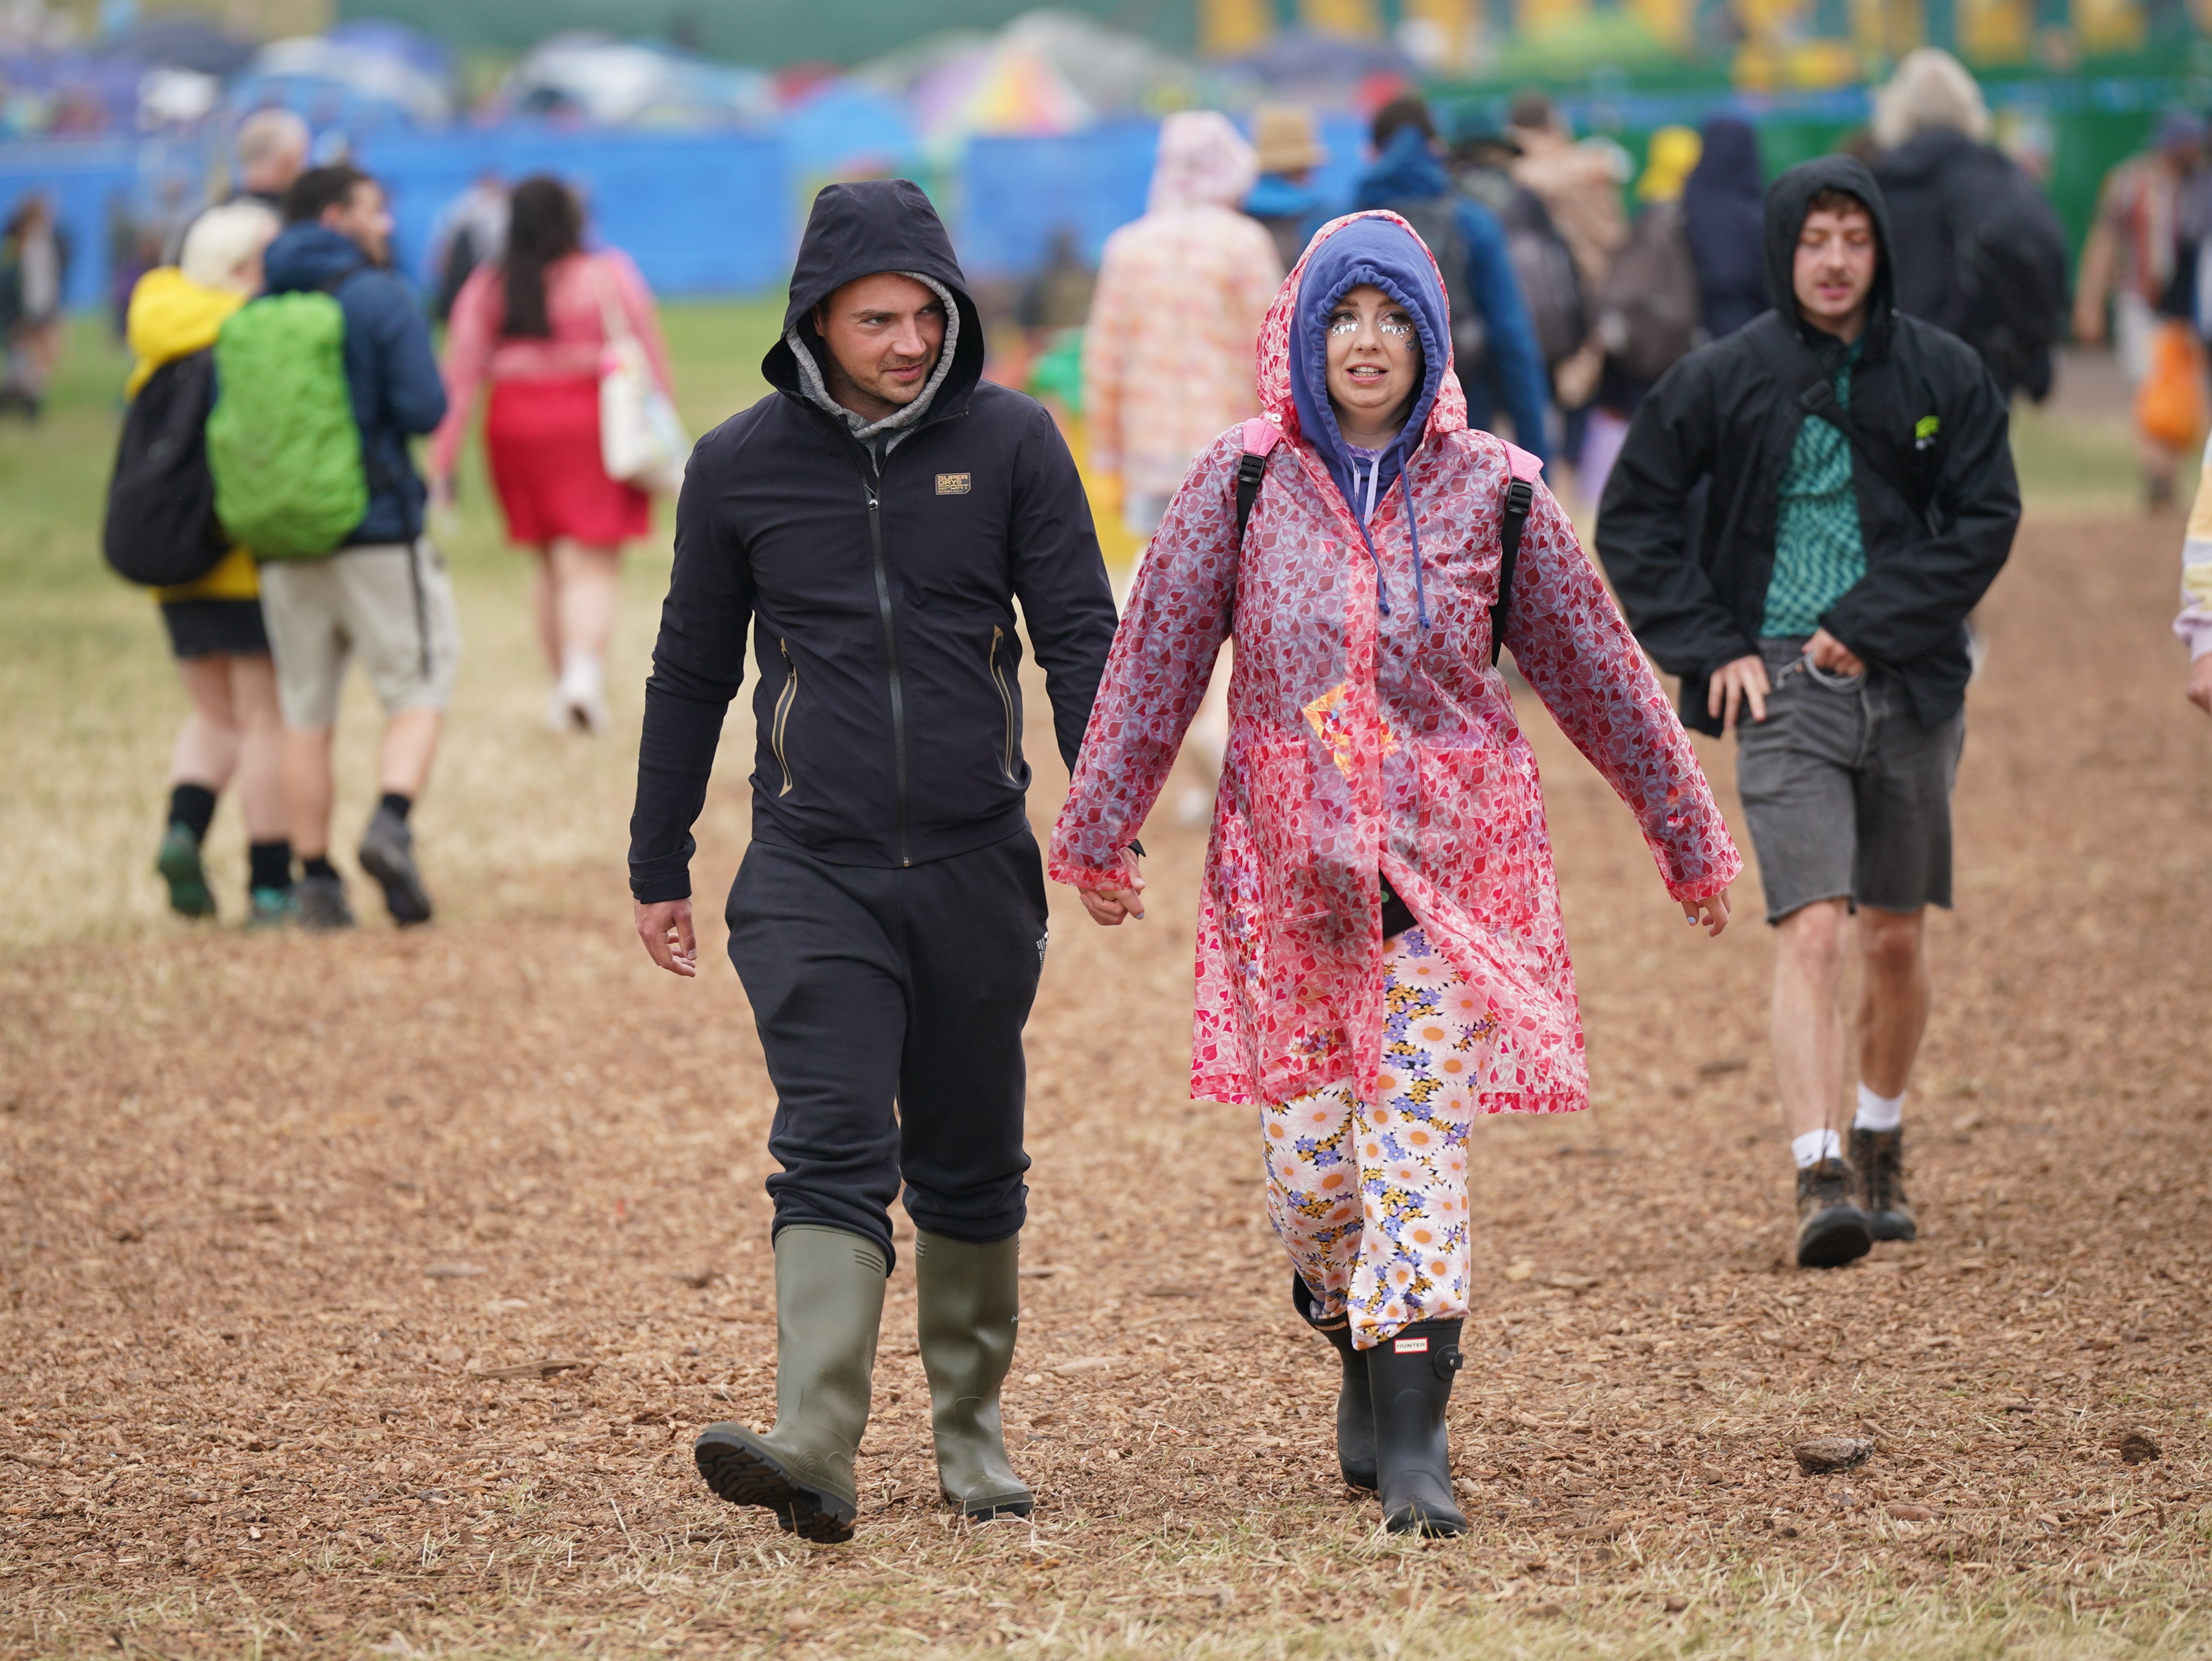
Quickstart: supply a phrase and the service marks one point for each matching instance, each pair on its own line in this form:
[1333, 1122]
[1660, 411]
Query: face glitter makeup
[1397, 328]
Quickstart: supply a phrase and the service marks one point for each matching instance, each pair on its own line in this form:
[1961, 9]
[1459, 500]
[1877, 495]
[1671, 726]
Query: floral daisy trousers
[1370, 1198]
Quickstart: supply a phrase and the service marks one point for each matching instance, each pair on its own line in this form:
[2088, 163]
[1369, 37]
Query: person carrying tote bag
[579, 430]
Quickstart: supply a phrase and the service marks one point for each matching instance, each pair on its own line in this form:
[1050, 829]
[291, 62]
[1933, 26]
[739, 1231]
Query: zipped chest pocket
[779, 728]
[1009, 757]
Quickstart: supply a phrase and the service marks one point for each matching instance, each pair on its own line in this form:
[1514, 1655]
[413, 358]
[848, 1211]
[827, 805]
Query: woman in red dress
[537, 324]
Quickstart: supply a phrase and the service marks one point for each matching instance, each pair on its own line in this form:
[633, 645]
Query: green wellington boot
[968, 1300]
[829, 1305]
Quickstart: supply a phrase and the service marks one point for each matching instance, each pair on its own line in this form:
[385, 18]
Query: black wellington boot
[1411, 1376]
[1355, 1401]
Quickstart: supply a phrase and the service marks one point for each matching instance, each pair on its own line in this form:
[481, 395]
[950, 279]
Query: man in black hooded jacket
[1802, 516]
[873, 521]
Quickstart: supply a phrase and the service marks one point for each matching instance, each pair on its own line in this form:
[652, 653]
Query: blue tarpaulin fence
[719, 212]
[702, 213]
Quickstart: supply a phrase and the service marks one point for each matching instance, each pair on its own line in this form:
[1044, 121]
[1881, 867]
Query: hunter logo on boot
[1410, 1346]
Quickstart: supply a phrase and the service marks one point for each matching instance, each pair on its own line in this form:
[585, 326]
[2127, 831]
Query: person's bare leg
[1808, 1018]
[1894, 996]
[403, 756]
[544, 606]
[585, 584]
[206, 751]
[308, 788]
[261, 748]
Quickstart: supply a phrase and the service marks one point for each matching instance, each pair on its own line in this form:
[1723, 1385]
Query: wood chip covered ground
[363, 1294]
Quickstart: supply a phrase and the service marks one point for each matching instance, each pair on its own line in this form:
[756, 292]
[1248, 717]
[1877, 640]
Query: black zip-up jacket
[878, 579]
[1686, 526]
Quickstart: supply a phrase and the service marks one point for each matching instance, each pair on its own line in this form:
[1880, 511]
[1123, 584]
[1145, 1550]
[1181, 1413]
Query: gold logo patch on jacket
[952, 485]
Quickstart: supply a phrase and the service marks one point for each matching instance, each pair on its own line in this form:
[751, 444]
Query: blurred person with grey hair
[271, 148]
[1979, 251]
[268, 151]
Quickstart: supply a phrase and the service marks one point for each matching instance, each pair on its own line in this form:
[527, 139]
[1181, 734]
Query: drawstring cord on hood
[1412, 531]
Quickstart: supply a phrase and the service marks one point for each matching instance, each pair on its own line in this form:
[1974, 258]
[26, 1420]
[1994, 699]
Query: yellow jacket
[170, 316]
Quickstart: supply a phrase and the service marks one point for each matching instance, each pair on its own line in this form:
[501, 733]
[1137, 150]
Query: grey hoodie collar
[896, 426]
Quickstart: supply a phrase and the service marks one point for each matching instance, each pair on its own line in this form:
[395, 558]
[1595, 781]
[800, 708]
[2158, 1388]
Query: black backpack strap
[1795, 367]
[1520, 498]
[1251, 468]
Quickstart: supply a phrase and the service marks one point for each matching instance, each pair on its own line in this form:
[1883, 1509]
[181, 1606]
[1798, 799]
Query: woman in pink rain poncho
[1380, 954]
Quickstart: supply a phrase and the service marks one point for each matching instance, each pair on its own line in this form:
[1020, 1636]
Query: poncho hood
[1376, 248]
[170, 317]
[307, 256]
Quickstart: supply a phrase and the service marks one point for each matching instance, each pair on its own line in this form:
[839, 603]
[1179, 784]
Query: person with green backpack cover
[321, 383]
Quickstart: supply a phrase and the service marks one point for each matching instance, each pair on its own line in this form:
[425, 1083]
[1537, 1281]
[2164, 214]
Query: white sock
[1815, 1145]
[1878, 1112]
[582, 674]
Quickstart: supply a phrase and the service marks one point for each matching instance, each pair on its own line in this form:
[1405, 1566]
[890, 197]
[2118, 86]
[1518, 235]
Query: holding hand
[2200, 683]
[1712, 913]
[1109, 906]
[665, 928]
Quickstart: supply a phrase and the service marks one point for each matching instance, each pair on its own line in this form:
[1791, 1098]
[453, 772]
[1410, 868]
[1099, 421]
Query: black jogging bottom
[890, 1004]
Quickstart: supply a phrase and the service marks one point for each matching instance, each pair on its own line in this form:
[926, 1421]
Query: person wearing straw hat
[1288, 141]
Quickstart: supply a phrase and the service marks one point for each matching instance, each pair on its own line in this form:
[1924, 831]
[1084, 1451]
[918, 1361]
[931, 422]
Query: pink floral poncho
[1362, 742]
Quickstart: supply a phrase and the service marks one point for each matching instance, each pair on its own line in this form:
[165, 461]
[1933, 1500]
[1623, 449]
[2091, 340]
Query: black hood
[1929, 154]
[1787, 201]
[855, 231]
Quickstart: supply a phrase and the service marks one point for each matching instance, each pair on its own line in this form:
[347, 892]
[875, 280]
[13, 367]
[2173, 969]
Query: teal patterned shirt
[1818, 550]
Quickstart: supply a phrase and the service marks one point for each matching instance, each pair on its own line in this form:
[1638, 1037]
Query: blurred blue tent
[849, 129]
[596, 79]
[360, 77]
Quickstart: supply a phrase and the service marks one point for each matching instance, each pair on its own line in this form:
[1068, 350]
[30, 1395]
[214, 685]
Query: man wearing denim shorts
[383, 596]
[1803, 515]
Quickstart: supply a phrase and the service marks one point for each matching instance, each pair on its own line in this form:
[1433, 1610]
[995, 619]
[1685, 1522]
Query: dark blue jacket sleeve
[414, 391]
[1512, 338]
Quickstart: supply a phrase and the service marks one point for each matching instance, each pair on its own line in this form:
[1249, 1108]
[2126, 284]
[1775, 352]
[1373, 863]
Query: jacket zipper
[1007, 698]
[871, 470]
[784, 700]
[891, 657]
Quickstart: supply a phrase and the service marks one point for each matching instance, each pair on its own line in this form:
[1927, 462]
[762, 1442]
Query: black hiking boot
[1878, 1161]
[1411, 1376]
[320, 902]
[1355, 1397]
[1832, 1230]
[387, 854]
[829, 1307]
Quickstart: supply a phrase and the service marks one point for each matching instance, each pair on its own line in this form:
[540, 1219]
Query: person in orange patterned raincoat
[1167, 354]
[1380, 952]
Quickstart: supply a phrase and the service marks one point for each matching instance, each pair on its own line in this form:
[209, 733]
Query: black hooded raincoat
[879, 574]
[1686, 527]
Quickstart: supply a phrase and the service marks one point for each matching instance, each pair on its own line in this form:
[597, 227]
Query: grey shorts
[1847, 795]
[391, 602]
